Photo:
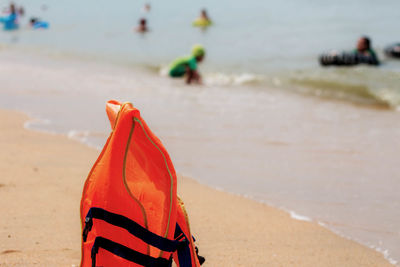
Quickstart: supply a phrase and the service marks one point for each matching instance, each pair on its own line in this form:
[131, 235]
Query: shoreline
[293, 215]
[276, 243]
[227, 79]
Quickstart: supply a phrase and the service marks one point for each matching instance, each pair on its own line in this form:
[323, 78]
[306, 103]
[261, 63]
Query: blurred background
[272, 43]
[269, 122]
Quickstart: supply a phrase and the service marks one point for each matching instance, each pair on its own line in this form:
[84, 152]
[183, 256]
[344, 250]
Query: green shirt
[369, 53]
[179, 65]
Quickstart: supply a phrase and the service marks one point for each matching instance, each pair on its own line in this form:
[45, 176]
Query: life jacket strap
[126, 253]
[184, 253]
[184, 256]
[132, 227]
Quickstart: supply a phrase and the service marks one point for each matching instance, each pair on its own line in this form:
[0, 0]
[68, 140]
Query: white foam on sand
[299, 217]
[221, 79]
[386, 254]
[81, 136]
[35, 123]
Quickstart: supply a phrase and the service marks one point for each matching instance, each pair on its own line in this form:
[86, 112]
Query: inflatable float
[202, 22]
[346, 59]
[41, 25]
[130, 212]
[393, 51]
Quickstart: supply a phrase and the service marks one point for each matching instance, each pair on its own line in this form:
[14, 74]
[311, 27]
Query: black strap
[132, 227]
[184, 253]
[126, 253]
[184, 257]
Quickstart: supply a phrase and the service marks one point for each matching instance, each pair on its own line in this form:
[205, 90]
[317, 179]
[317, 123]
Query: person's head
[363, 44]
[143, 22]
[33, 21]
[12, 8]
[198, 52]
[204, 13]
[21, 11]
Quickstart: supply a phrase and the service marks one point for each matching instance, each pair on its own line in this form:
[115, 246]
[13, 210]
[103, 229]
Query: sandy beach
[40, 189]
[287, 150]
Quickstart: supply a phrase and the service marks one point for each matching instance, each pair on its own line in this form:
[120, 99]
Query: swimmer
[364, 48]
[38, 24]
[146, 8]
[204, 15]
[21, 11]
[187, 66]
[362, 54]
[142, 28]
[11, 21]
[203, 21]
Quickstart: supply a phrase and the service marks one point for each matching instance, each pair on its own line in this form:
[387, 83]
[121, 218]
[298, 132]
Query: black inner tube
[393, 51]
[346, 59]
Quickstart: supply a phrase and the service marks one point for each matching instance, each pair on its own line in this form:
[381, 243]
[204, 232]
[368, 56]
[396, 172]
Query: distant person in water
[21, 11]
[204, 15]
[11, 21]
[362, 54]
[146, 8]
[187, 66]
[203, 20]
[142, 28]
[364, 48]
[38, 24]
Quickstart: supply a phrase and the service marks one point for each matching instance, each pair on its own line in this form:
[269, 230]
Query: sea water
[269, 123]
[259, 43]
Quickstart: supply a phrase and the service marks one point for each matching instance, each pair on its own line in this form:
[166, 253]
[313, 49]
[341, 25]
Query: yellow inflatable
[201, 22]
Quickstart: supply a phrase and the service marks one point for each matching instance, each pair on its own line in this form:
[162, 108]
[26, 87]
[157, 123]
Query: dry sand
[40, 187]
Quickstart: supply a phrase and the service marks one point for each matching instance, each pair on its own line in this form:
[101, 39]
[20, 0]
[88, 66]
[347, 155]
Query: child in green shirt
[188, 65]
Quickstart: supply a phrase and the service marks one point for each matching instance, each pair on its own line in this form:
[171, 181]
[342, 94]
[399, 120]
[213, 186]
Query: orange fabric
[133, 177]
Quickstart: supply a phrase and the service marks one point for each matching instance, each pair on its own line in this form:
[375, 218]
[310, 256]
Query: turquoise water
[257, 43]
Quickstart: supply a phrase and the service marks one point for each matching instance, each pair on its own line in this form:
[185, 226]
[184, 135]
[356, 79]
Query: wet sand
[40, 189]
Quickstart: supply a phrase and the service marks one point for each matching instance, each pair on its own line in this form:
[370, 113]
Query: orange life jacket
[130, 212]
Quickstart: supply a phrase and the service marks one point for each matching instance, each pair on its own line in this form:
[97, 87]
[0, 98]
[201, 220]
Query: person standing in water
[204, 15]
[187, 66]
[364, 49]
[203, 20]
[142, 28]
[10, 22]
[146, 8]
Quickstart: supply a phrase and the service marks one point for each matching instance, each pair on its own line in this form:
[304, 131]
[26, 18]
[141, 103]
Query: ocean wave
[221, 79]
[359, 85]
[218, 78]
